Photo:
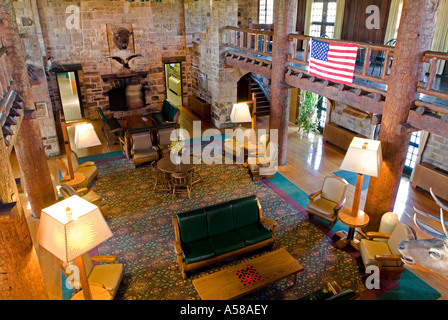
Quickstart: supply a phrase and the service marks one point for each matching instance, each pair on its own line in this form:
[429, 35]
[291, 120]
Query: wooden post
[415, 34]
[284, 23]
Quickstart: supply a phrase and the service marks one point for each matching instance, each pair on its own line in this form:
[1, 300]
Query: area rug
[351, 178]
[143, 234]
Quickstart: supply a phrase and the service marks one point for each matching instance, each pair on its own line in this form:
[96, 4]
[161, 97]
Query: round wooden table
[98, 293]
[358, 221]
[166, 165]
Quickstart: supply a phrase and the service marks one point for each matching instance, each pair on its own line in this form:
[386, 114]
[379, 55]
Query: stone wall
[158, 31]
[29, 28]
[436, 152]
[361, 126]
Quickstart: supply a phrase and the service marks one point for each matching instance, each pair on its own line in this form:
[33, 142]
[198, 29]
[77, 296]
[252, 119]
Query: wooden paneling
[354, 25]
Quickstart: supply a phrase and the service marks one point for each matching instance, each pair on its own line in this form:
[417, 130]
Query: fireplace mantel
[117, 76]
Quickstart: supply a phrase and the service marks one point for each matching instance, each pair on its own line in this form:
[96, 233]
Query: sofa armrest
[313, 195]
[178, 248]
[272, 224]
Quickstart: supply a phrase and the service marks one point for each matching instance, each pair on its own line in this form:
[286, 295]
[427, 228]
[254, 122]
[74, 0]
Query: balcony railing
[250, 40]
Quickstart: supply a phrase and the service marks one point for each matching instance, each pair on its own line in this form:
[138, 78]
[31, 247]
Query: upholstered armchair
[87, 169]
[265, 165]
[107, 275]
[385, 255]
[260, 148]
[142, 148]
[88, 195]
[164, 140]
[327, 202]
[235, 146]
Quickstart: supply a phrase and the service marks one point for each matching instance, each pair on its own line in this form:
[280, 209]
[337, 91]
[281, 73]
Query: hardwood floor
[308, 161]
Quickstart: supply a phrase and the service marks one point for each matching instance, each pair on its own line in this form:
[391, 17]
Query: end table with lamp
[363, 157]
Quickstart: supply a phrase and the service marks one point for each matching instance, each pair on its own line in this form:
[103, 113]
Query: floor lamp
[85, 136]
[70, 228]
[241, 113]
[363, 157]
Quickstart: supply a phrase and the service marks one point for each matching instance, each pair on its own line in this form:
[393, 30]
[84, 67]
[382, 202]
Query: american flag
[333, 61]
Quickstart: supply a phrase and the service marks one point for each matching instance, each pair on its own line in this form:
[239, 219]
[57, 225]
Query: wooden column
[415, 34]
[285, 12]
[29, 146]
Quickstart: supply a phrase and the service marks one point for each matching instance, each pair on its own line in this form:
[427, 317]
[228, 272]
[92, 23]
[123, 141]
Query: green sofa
[211, 234]
[110, 126]
[169, 113]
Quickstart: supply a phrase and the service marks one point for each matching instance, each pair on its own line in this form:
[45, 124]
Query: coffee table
[226, 285]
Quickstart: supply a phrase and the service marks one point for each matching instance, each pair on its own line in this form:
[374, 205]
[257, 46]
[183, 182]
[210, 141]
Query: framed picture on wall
[41, 110]
[202, 80]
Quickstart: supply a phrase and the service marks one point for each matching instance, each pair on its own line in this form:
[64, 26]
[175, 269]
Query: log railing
[250, 40]
[5, 76]
[433, 58]
[365, 53]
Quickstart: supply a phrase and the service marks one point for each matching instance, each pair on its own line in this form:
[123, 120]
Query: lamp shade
[85, 136]
[240, 113]
[68, 237]
[363, 157]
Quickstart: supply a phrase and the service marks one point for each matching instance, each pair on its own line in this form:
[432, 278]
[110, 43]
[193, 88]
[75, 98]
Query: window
[411, 156]
[266, 12]
[322, 113]
[323, 17]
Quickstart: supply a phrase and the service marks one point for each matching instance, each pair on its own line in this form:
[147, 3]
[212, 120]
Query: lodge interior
[217, 54]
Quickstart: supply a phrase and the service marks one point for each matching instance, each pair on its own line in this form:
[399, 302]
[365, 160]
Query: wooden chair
[327, 202]
[196, 175]
[87, 169]
[181, 183]
[67, 191]
[162, 182]
[264, 166]
[107, 275]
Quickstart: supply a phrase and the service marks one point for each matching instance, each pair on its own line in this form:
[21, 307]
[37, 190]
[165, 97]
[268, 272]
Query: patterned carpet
[143, 233]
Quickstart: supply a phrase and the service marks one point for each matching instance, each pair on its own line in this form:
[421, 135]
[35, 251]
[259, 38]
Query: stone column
[285, 12]
[415, 34]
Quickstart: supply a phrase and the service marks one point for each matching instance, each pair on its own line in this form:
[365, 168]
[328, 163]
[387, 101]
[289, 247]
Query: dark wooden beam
[254, 67]
[428, 122]
[362, 102]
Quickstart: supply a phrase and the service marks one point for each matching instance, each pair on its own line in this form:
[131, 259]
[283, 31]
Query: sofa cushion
[219, 219]
[192, 225]
[169, 110]
[323, 207]
[226, 242]
[245, 211]
[254, 233]
[197, 251]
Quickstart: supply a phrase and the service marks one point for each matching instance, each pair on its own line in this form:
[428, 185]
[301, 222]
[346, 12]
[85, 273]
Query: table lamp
[363, 157]
[85, 136]
[70, 228]
[240, 113]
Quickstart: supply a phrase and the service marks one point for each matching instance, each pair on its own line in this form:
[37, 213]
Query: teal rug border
[409, 282]
[352, 177]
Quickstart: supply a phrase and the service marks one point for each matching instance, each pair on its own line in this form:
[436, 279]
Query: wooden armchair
[67, 191]
[385, 255]
[108, 275]
[143, 149]
[264, 166]
[327, 202]
[87, 169]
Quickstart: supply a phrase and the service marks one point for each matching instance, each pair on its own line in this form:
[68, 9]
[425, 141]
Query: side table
[78, 180]
[359, 221]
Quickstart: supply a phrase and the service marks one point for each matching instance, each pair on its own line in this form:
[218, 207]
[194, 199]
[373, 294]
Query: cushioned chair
[164, 139]
[235, 146]
[385, 255]
[264, 166]
[108, 275]
[87, 169]
[261, 150]
[67, 191]
[142, 148]
[327, 202]
[169, 113]
[110, 126]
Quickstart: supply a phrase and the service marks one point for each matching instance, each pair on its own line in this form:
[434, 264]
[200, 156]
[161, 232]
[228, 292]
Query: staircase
[263, 103]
